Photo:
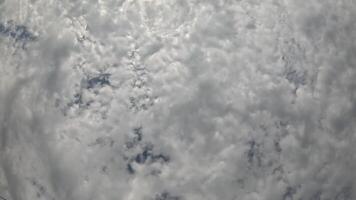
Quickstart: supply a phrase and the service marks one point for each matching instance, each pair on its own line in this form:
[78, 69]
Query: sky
[177, 99]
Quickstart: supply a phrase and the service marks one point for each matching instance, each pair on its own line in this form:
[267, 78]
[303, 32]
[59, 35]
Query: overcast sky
[178, 99]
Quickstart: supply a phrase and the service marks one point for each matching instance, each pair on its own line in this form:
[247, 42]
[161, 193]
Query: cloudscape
[177, 99]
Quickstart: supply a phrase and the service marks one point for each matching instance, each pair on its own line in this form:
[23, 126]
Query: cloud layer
[177, 100]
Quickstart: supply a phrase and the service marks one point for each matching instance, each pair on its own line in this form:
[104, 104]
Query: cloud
[174, 100]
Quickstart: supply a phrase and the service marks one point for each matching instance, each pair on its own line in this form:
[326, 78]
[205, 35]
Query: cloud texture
[177, 100]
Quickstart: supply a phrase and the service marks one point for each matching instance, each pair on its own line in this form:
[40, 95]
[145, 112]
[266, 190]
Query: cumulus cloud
[175, 100]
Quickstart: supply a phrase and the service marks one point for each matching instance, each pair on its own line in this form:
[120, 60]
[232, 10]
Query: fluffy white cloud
[174, 100]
